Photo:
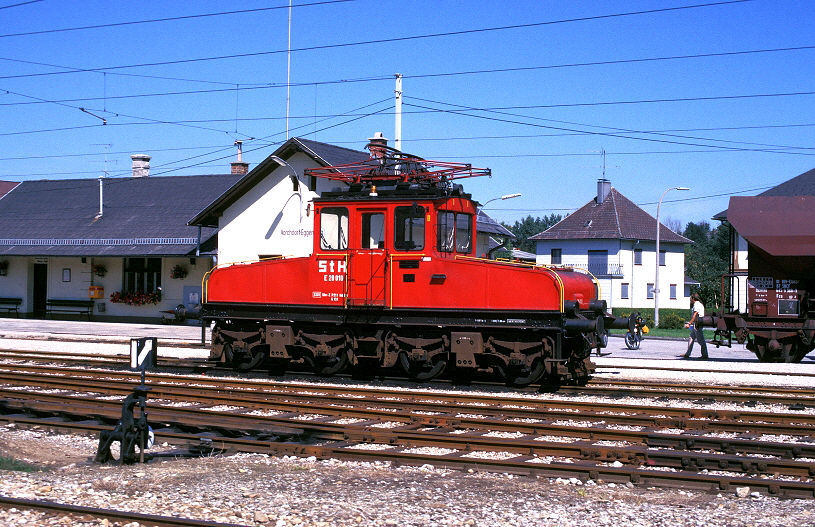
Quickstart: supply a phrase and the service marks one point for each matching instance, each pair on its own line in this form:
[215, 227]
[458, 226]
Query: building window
[623, 290]
[673, 291]
[637, 256]
[662, 258]
[557, 256]
[142, 275]
[651, 291]
[598, 262]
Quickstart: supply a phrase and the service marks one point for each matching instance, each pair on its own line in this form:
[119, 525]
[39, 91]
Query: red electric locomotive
[394, 281]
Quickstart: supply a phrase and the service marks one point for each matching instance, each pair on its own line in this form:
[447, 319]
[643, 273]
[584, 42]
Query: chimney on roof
[603, 190]
[239, 167]
[141, 165]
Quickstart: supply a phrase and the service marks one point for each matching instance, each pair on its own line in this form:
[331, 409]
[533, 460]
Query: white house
[615, 240]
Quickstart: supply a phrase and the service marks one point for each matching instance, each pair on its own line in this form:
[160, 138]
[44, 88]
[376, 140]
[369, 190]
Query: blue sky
[718, 97]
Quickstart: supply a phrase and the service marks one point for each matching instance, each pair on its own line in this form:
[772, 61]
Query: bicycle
[634, 338]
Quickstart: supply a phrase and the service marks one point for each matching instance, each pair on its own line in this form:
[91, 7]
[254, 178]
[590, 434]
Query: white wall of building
[272, 218]
[70, 278]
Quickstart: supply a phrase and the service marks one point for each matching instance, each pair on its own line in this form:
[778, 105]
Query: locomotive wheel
[632, 342]
[326, 367]
[421, 372]
[242, 362]
[520, 377]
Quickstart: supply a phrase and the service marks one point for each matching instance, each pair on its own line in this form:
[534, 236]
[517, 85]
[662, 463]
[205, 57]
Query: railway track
[747, 395]
[655, 445]
[76, 514]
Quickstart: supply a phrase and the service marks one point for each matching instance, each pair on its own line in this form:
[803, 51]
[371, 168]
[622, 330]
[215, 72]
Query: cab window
[409, 228]
[334, 229]
[373, 230]
[455, 232]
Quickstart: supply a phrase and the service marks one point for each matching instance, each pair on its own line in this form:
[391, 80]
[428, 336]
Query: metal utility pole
[288, 74]
[397, 136]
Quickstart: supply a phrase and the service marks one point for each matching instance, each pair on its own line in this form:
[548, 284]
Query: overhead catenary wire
[420, 37]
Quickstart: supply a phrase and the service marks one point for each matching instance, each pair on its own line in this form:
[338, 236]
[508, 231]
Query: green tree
[707, 259]
[528, 227]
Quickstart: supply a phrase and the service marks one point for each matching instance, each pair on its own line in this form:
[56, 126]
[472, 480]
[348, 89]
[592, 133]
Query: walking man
[697, 311]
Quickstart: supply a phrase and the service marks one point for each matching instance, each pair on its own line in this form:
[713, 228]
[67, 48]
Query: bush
[671, 321]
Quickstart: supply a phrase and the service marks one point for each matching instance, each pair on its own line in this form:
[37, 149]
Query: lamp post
[656, 276]
[508, 196]
[295, 181]
[506, 239]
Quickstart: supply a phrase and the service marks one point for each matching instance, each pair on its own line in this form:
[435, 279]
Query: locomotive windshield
[409, 228]
[334, 229]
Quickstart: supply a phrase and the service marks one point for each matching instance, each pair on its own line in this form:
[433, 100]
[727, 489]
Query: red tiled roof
[616, 218]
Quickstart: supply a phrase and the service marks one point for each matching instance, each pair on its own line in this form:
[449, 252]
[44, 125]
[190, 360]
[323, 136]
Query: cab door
[368, 264]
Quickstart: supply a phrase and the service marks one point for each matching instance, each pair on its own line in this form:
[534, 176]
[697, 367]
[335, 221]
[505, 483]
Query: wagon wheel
[520, 377]
[792, 352]
[421, 372]
[631, 341]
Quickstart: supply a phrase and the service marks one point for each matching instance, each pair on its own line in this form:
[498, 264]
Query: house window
[334, 229]
[455, 232]
[637, 256]
[623, 290]
[673, 291]
[651, 291]
[142, 275]
[557, 256]
[662, 258]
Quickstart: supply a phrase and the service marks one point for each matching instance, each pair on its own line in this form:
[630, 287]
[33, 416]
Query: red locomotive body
[394, 280]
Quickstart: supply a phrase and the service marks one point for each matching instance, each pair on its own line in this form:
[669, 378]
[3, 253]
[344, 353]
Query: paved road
[17, 328]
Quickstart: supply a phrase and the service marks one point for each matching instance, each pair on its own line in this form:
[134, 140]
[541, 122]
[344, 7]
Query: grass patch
[8, 463]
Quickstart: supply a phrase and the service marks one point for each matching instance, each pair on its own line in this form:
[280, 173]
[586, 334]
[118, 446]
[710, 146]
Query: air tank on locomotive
[394, 282]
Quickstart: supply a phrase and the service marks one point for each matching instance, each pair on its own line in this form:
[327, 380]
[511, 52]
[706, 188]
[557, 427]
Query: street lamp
[508, 196]
[656, 277]
[506, 239]
[295, 181]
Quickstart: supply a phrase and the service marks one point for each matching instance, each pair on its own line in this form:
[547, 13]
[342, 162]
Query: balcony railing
[600, 270]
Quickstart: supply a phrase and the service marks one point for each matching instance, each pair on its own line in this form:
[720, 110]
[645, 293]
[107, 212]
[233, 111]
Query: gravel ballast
[252, 489]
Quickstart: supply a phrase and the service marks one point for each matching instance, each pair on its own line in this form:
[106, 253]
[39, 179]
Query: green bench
[64, 305]
[11, 304]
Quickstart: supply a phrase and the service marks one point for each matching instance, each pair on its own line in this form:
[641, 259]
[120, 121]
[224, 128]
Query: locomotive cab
[384, 237]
